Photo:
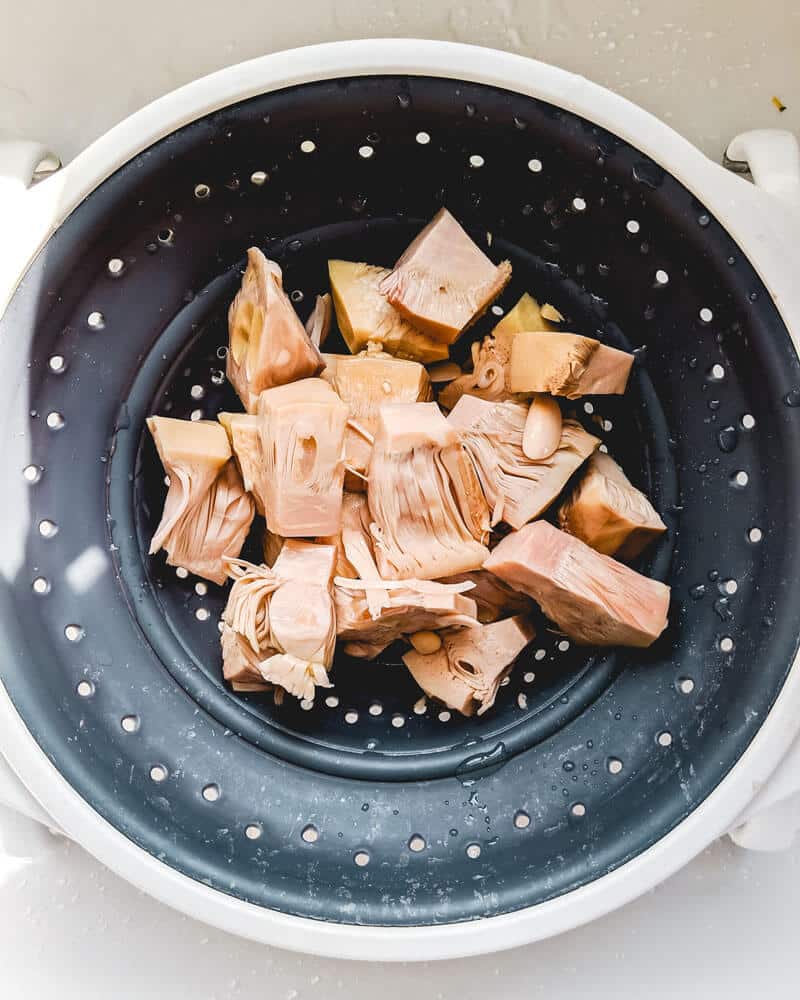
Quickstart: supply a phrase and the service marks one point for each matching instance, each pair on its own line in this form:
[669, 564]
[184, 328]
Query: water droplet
[723, 610]
[404, 100]
[568, 766]
[702, 467]
[727, 439]
[713, 575]
[792, 398]
[703, 220]
[365, 807]
[713, 404]
[697, 592]
[693, 362]
[648, 173]
[481, 761]
[295, 245]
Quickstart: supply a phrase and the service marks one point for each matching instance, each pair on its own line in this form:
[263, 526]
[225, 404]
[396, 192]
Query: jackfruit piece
[516, 488]
[592, 598]
[364, 316]
[466, 673]
[207, 512]
[606, 511]
[565, 364]
[409, 606]
[429, 516]
[268, 345]
[489, 376]
[280, 622]
[365, 382]
[443, 281]
[302, 429]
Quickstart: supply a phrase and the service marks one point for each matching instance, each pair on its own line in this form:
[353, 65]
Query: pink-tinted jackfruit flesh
[302, 428]
[466, 673]
[207, 512]
[429, 516]
[366, 382]
[592, 598]
[443, 281]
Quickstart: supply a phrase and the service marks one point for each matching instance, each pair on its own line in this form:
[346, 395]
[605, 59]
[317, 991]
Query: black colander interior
[361, 808]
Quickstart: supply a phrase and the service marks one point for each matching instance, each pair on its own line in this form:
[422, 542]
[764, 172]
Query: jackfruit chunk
[302, 429]
[409, 606]
[429, 515]
[365, 382]
[301, 614]
[365, 317]
[443, 281]
[279, 626]
[565, 364]
[245, 441]
[207, 512]
[268, 345]
[606, 511]
[467, 671]
[489, 376]
[593, 599]
[516, 488]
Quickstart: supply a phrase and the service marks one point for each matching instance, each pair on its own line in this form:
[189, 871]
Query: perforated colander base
[358, 808]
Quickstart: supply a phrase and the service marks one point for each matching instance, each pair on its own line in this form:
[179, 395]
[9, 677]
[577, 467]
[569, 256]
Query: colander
[366, 825]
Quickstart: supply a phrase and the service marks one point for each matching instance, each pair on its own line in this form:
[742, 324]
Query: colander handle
[772, 157]
[19, 161]
[772, 820]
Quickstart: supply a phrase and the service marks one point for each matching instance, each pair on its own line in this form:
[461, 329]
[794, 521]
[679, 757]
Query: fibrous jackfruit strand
[427, 519]
[409, 606]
